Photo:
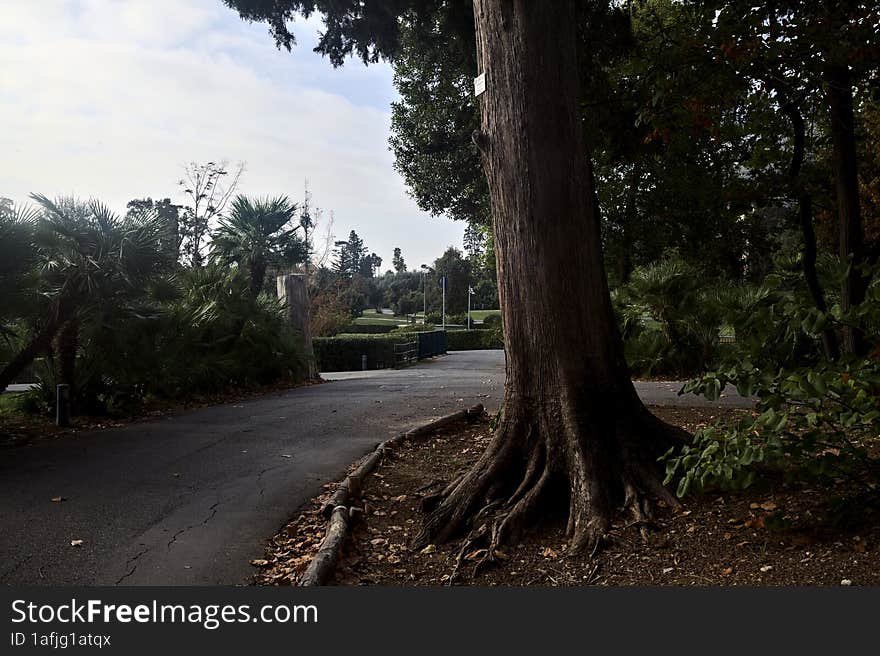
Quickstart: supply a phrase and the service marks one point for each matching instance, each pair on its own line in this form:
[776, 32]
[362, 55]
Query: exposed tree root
[607, 465]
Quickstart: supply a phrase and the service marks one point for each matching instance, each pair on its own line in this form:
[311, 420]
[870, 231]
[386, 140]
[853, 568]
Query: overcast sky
[109, 98]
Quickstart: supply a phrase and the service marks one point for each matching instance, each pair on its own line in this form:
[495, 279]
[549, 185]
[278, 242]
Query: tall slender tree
[397, 261]
[209, 188]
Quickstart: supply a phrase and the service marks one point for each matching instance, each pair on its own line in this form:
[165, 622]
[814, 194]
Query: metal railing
[431, 344]
[406, 353]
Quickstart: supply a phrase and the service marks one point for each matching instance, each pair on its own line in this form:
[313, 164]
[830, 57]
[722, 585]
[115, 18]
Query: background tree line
[353, 283]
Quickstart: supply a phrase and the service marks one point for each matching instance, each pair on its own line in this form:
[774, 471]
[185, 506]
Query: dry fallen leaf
[766, 568]
[756, 522]
[769, 506]
[549, 553]
[727, 571]
[474, 555]
[76, 543]
[58, 499]
[259, 562]
[431, 548]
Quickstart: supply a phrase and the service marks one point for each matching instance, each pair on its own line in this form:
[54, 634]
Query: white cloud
[109, 99]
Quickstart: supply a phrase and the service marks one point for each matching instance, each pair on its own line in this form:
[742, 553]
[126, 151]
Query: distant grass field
[372, 318]
[376, 320]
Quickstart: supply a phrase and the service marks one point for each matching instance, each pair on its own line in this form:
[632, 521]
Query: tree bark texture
[571, 419]
[292, 291]
[839, 93]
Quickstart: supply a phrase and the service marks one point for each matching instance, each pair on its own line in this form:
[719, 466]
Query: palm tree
[17, 267]
[87, 259]
[259, 233]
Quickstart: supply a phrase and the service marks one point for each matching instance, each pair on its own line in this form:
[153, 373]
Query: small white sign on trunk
[479, 84]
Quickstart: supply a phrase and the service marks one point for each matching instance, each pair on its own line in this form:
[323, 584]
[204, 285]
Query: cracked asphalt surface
[190, 498]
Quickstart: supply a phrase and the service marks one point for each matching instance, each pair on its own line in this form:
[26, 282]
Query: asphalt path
[190, 498]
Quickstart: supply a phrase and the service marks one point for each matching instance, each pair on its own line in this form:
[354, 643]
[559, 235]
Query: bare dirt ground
[776, 533]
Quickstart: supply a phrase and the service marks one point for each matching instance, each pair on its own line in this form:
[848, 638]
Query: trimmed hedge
[366, 329]
[415, 328]
[343, 352]
[469, 340]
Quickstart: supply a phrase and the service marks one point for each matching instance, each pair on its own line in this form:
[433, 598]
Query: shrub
[344, 352]
[367, 329]
[669, 319]
[815, 418]
[469, 340]
[415, 328]
[457, 319]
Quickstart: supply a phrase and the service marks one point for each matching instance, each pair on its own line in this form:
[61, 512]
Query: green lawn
[481, 315]
[375, 320]
[371, 317]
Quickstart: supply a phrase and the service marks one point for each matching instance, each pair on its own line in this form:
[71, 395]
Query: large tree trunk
[840, 104]
[571, 415]
[258, 276]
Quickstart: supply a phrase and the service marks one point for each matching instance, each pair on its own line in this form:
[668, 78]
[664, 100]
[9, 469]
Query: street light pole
[444, 302]
[424, 295]
[470, 291]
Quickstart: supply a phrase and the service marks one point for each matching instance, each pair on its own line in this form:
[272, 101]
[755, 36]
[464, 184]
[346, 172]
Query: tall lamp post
[470, 293]
[443, 285]
[424, 294]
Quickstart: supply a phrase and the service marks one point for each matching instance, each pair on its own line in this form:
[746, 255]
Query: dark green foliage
[397, 262]
[18, 277]
[670, 318]
[367, 29]
[352, 258]
[344, 352]
[459, 319]
[458, 272]
[168, 214]
[212, 335]
[815, 418]
[431, 125]
[259, 234]
[112, 313]
[469, 340]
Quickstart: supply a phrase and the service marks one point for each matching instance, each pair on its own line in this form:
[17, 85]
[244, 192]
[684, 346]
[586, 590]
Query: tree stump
[292, 291]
